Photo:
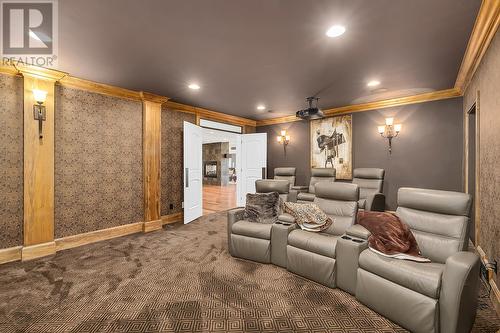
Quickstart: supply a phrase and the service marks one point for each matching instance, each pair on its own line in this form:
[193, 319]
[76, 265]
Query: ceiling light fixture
[373, 83]
[261, 107]
[335, 31]
[194, 86]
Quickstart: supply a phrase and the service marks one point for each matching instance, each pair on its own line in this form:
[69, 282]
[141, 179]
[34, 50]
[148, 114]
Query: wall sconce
[389, 131]
[283, 138]
[39, 112]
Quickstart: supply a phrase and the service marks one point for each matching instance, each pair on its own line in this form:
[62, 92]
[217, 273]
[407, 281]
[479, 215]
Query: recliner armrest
[375, 202]
[458, 296]
[300, 188]
[305, 196]
[286, 218]
[358, 231]
[233, 216]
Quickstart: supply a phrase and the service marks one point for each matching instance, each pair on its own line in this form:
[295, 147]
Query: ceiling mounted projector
[312, 112]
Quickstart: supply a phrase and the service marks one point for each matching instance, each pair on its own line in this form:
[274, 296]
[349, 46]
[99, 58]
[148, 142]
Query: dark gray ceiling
[273, 52]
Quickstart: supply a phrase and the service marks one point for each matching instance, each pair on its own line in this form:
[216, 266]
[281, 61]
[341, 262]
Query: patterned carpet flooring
[180, 279]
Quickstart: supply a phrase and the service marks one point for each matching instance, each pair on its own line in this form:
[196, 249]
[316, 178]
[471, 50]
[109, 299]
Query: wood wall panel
[172, 159]
[38, 165]
[151, 154]
[98, 162]
[11, 161]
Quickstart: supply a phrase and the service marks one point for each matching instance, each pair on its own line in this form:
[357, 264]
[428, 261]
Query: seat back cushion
[285, 174]
[321, 175]
[438, 219]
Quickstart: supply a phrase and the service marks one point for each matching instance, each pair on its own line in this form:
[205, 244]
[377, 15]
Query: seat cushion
[252, 229]
[424, 278]
[319, 243]
[306, 196]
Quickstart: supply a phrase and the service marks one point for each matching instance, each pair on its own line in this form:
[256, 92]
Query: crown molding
[145, 96]
[100, 88]
[211, 115]
[485, 27]
[420, 98]
[34, 71]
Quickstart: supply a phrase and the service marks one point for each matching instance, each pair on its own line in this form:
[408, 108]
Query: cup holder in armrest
[346, 237]
[357, 240]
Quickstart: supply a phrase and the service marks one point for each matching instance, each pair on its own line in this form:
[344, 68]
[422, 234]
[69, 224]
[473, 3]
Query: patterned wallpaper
[487, 82]
[172, 159]
[11, 161]
[98, 162]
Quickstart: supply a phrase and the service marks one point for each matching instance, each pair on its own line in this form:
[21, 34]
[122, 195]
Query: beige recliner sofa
[305, 194]
[251, 240]
[312, 255]
[285, 173]
[371, 184]
[439, 296]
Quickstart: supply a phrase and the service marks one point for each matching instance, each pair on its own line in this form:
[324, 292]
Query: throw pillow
[262, 207]
[308, 216]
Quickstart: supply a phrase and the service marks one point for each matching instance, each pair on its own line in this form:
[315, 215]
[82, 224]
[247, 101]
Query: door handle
[187, 177]
[264, 173]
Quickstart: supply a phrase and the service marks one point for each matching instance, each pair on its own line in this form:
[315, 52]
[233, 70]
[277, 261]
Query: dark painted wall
[427, 153]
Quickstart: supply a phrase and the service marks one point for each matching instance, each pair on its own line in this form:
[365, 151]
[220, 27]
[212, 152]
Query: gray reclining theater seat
[439, 296]
[306, 193]
[371, 183]
[285, 174]
[252, 240]
[312, 255]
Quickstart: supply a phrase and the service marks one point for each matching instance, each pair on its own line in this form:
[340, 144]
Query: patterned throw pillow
[308, 216]
[262, 207]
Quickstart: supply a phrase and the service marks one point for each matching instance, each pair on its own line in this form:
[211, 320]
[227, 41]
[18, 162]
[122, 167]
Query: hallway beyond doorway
[218, 198]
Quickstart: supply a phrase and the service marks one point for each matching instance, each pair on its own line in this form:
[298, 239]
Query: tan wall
[486, 81]
[11, 161]
[98, 162]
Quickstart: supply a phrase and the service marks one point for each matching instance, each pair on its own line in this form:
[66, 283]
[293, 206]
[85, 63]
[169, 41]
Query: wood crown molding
[211, 115]
[100, 88]
[426, 97]
[485, 27]
[145, 96]
[37, 72]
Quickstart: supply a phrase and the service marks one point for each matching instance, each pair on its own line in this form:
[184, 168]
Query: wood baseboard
[97, 236]
[152, 226]
[172, 218]
[38, 251]
[10, 254]
[495, 292]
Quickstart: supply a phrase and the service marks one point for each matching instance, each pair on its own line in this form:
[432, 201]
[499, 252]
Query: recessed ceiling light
[261, 107]
[194, 86]
[335, 31]
[373, 83]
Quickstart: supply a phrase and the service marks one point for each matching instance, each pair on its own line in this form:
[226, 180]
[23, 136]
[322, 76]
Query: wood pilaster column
[151, 111]
[38, 166]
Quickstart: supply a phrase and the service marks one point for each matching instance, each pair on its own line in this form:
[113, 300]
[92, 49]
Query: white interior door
[253, 163]
[193, 180]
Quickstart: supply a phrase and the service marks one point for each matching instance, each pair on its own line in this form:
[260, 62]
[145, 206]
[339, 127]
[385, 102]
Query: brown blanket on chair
[390, 236]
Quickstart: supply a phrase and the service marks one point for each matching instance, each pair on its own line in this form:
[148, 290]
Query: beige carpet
[180, 279]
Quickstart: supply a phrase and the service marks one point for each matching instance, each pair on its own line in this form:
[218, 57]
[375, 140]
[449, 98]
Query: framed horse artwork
[331, 145]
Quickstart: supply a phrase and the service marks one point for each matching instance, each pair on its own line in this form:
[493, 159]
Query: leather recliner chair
[312, 255]
[306, 194]
[440, 296]
[371, 183]
[251, 240]
[285, 174]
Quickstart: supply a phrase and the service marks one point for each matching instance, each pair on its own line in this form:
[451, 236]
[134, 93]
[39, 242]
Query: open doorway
[220, 174]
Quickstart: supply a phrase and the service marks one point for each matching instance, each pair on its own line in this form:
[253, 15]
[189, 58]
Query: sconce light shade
[389, 131]
[40, 96]
[283, 139]
[283, 133]
[279, 138]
